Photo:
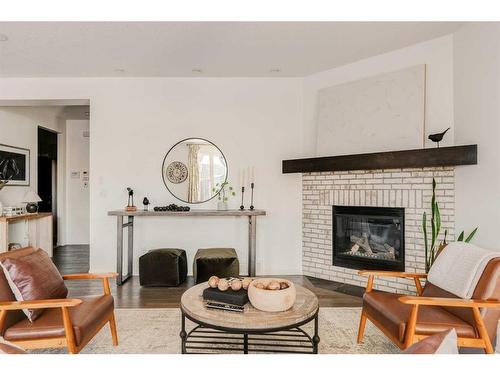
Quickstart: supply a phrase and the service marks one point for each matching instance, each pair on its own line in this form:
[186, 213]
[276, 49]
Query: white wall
[255, 121]
[477, 120]
[437, 54]
[77, 193]
[19, 127]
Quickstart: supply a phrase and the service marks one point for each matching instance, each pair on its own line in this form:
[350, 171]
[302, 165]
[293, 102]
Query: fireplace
[368, 237]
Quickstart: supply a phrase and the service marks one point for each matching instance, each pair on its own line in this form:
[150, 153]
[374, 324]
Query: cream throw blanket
[459, 267]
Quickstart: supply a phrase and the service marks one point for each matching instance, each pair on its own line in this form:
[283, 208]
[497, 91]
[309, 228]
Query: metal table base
[207, 339]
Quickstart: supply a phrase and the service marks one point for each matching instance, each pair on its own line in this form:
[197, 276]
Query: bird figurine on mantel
[438, 137]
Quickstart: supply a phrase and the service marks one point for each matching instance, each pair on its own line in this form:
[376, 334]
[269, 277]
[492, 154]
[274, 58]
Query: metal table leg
[183, 334]
[130, 233]
[315, 338]
[252, 250]
[245, 343]
[119, 249]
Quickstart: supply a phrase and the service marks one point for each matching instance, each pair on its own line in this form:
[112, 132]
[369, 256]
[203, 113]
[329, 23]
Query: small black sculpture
[130, 204]
[438, 137]
[145, 202]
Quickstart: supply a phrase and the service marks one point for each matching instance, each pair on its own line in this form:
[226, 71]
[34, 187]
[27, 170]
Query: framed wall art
[15, 165]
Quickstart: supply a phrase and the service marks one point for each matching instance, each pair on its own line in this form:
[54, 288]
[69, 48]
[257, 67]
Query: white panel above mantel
[380, 113]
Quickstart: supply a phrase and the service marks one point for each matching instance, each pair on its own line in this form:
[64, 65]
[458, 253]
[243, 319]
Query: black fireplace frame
[347, 261]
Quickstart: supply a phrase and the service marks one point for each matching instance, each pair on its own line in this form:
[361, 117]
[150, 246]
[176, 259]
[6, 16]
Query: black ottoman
[163, 267]
[221, 262]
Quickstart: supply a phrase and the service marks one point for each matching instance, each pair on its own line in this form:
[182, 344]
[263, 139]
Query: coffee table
[251, 331]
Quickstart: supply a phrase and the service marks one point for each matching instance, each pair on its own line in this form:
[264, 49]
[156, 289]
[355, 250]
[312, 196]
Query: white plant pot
[221, 206]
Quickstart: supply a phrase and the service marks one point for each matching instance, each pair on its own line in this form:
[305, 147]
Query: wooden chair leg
[362, 324]
[70, 334]
[483, 334]
[410, 327]
[112, 326]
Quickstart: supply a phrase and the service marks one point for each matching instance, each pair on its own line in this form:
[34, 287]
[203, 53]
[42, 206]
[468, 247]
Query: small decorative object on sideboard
[172, 207]
[252, 186]
[13, 211]
[145, 202]
[242, 207]
[130, 204]
[31, 199]
[438, 137]
[271, 295]
[224, 191]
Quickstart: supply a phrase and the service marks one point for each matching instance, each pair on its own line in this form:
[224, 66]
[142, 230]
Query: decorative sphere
[236, 284]
[223, 285]
[213, 282]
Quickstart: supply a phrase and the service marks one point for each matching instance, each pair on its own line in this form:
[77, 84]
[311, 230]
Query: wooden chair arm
[406, 275]
[449, 302]
[393, 274]
[87, 276]
[39, 304]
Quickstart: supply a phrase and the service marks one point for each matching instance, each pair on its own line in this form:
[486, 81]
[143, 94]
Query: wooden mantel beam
[420, 158]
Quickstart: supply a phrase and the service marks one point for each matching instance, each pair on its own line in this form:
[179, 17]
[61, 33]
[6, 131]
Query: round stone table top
[304, 308]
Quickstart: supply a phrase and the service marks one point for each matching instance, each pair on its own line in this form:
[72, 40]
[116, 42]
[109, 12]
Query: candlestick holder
[242, 207]
[252, 185]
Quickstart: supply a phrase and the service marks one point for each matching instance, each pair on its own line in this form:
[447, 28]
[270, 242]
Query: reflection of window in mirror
[212, 170]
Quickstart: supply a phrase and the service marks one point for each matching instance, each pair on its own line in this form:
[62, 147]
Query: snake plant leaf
[438, 220]
[424, 229]
[471, 235]
[461, 236]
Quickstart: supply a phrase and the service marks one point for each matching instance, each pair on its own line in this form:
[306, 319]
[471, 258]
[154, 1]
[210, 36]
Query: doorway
[47, 175]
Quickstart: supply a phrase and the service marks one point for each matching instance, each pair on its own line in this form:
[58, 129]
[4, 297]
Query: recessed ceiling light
[3, 38]
[275, 70]
[120, 70]
[197, 70]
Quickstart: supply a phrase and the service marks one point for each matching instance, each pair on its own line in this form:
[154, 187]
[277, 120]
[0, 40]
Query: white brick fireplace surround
[410, 188]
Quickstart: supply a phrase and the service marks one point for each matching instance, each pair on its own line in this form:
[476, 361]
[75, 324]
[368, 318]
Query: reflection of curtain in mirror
[193, 173]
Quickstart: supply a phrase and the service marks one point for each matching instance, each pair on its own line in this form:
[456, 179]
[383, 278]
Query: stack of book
[228, 300]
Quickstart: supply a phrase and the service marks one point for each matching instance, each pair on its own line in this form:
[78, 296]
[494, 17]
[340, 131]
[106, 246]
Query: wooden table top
[198, 212]
[305, 307]
[38, 215]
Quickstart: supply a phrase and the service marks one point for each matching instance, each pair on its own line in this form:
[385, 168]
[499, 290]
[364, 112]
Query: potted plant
[433, 249]
[224, 191]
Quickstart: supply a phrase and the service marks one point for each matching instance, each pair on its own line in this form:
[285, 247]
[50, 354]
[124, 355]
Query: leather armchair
[69, 322]
[407, 319]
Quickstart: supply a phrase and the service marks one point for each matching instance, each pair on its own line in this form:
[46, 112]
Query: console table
[252, 232]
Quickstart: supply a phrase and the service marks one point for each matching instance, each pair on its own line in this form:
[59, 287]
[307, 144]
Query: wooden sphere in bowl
[271, 300]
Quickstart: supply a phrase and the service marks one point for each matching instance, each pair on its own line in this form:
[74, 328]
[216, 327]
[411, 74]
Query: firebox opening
[368, 237]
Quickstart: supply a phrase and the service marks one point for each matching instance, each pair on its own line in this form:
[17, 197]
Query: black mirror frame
[163, 167]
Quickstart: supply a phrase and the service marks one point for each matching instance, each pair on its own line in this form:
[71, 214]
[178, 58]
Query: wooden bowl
[271, 300]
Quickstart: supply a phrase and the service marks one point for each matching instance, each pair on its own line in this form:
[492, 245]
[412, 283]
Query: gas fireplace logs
[362, 247]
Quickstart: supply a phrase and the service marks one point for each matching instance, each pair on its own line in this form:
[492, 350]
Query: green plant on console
[224, 191]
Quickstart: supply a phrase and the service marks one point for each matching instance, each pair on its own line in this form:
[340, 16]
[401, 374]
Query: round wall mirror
[193, 170]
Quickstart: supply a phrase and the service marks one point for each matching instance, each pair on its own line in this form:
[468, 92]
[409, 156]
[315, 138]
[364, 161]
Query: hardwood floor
[72, 258]
[75, 259]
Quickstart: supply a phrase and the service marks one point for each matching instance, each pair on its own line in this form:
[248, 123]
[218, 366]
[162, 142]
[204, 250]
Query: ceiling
[200, 49]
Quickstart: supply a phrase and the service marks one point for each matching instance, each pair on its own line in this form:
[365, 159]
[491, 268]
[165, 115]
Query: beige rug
[156, 331]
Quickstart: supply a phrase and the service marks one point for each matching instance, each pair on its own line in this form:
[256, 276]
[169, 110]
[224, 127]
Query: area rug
[156, 331]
